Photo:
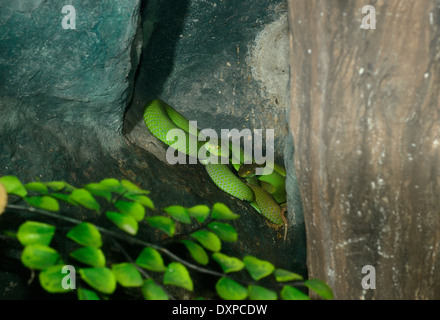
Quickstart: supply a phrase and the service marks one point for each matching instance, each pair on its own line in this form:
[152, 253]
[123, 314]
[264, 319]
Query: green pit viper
[266, 193]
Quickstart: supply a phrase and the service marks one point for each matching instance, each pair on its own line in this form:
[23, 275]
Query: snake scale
[265, 192]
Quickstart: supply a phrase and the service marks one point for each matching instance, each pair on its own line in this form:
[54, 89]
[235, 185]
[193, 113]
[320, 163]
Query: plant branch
[142, 271]
[136, 241]
[121, 237]
[43, 212]
[127, 256]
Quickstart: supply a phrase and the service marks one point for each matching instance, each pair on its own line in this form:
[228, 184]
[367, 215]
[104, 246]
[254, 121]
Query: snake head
[247, 170]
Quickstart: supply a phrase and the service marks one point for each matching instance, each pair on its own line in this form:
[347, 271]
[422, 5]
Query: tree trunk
[365, 117]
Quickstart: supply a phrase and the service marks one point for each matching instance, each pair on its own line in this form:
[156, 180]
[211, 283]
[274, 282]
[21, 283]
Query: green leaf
[207, 239]
[99, 190]
[225, 231]
[59, 185]
[199, 212]
[177, 275]
[127, 275]
[86, 234]
[63, 197]
[112, 185]
[228, 289]
[123, 222]
[143, 200]
[56, 185]
[33, 232]
[228, 264]
[282, 275]
[52, 279]
[150, 259]
[3, 199]
[37, 256]
[85, 199]
[131, 187]
[89, 255]
[290, 293]
[178, 213]
[196, 251]
[134, 209]
[44, 202]
[261, 293]
[221, 211]
[101, 279]
[320, 287]
[13, 186]
[36, 187]
[163, 223]
[86, 294]
[257, 268]
[153, 291]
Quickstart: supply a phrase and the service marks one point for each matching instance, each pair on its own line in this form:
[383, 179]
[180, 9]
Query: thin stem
[44, 212]
[5, 237]
[32, 277]
[118, 197]
[127, 256]
[190, 265]
[142, 271]
[186, 233]
[163, 250]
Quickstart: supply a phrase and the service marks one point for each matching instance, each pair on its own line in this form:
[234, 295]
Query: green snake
[265, 192]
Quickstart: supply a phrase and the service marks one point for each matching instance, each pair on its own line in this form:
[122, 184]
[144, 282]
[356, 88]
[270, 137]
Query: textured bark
[365, 117]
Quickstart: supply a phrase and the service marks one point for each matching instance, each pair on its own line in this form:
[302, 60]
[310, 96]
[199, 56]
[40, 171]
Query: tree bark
[365, 117]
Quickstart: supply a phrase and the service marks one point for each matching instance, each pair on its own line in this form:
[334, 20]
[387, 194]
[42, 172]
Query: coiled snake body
[265, 193]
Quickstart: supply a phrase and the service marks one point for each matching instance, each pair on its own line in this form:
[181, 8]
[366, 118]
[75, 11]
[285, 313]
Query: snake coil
[265, 193]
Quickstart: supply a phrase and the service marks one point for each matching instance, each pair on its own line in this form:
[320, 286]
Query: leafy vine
[128, 207]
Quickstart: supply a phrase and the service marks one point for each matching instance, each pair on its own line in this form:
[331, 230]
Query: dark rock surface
[203, 64]
[206, 64]
[64, 95]
[63, 92]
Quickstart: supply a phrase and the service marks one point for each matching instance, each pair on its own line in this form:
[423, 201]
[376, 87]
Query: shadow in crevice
[161, 24]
